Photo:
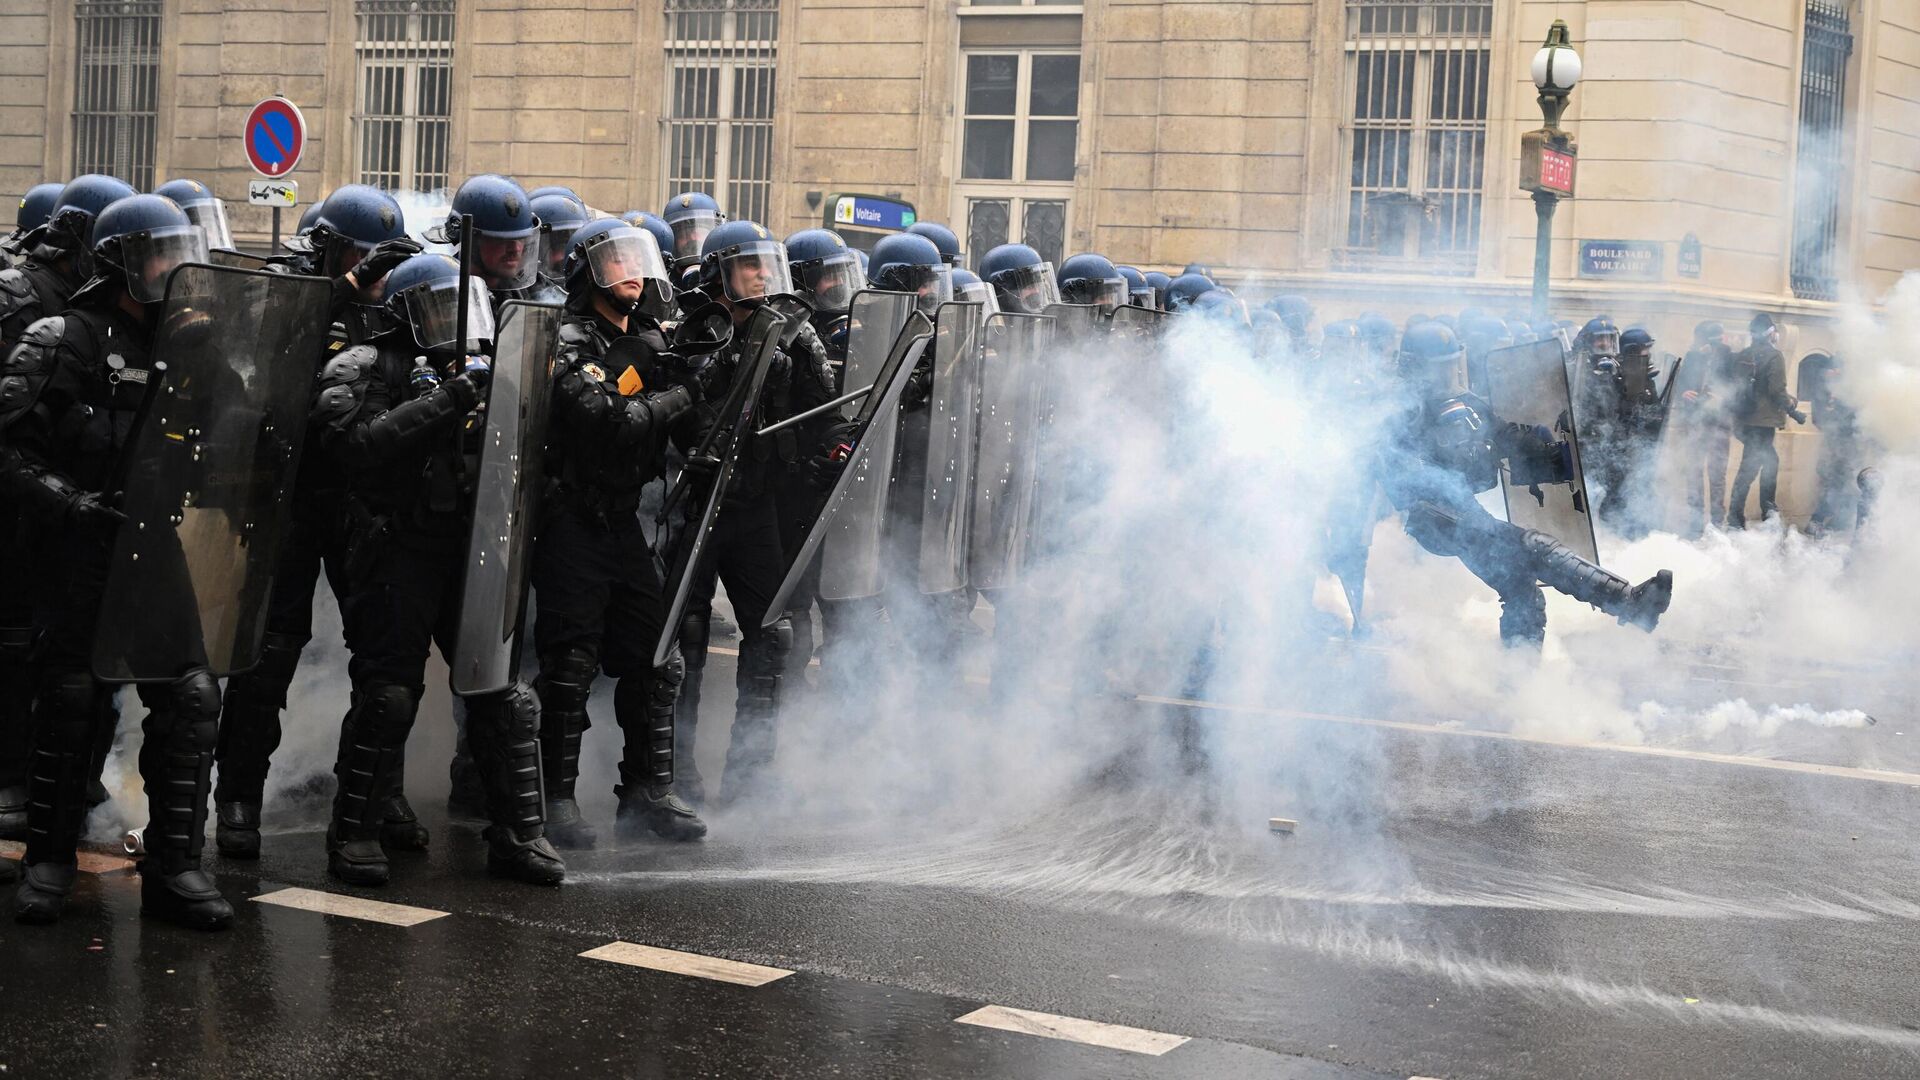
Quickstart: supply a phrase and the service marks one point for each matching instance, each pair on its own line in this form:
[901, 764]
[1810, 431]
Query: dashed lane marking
[1071, 1029]
[350, 907]
[1848, 772]
[686, 963]
[90, 862]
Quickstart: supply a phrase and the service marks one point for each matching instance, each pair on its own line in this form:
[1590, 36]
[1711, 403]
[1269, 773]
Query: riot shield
[1077, 322]
[1013, 396]
[506, 495]
[238, 260]
[1527, 384]
[952, 440]
[1140, 321]
[850, 552]
[851, 516]
[208, 472]
[760, 341]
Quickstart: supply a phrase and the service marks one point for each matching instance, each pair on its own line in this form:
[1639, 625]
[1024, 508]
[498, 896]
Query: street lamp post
[1548, 155]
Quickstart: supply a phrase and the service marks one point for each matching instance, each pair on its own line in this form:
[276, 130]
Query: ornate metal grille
[717, 127]
[116, 88]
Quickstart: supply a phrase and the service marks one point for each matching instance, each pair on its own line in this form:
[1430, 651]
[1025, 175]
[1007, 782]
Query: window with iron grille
[1820, 169]
[1416, 131]
[717, 128]
[405, 53]
[116, 88]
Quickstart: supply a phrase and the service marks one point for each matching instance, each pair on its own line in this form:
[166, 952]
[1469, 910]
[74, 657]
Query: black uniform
[408, 442]
[597, 582]
[70, 394]
[745, 551]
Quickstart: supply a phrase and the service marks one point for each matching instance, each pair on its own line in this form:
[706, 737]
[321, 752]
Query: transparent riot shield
[238, 260]
[1527, 384]
[850, 552]
[208, 472]
[1138, 321]
[1013, 377]
[506, 496]
[952, 441]
[851, 514]
[1076, 322]
[758, 342]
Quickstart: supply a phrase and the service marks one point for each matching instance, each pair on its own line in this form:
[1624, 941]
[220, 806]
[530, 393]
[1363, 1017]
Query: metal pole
[1543, 204]
[815, 411]
[275, 249]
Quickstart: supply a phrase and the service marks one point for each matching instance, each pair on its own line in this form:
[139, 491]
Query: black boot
[566, 678]
[16, 727]
[694, 629]
[1647, 602]
[503, 730]
[1557, 567]
[400, 828]
[375, 729]
[249, 734]
[647, 719]
[176, 762]
[236, 829]
[13, 812]
[70, 706]
[750, 749]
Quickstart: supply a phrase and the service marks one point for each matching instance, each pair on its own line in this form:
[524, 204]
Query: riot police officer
[1092, 279]
[357, 236]
[397, 415]
[1139, 292]
[945, 240]
[560, 214]
[1445, 446]
[71, 391]
[35, 207]
[741, 266]
[505, 244]
[968, 287]
[57, 258]
[616, 397]
[1184, 291]
[1023, 281]
[1159, 283]
[691, 215]
[203, 208]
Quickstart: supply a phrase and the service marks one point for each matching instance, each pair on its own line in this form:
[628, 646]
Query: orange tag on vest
[629, 383]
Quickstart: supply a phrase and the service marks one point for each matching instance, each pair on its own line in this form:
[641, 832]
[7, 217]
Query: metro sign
[1547, 160]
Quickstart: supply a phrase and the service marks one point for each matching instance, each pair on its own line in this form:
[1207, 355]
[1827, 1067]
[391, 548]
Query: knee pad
[664, 688]
[512, 715]
[695, 631]
[195, 695]
[387, 711]
[566, 676]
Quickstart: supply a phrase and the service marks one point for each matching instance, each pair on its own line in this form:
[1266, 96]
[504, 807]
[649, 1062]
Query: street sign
[1547, 160]
[1687, 262]
[1634, 260]
[870, 212]
[275, 137]
[273, 193]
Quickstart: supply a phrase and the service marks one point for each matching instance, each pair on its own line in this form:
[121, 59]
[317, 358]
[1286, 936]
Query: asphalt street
[1449, 905]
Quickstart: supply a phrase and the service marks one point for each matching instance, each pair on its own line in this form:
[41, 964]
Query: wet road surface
[1450, 907]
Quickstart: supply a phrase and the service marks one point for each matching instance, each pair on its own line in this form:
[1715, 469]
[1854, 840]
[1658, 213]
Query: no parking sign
[276, 135]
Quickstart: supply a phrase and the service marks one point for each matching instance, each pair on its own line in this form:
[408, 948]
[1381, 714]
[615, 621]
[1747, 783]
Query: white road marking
[1847, 772]
[351, 907]
[686, 963]
[1091, 1032]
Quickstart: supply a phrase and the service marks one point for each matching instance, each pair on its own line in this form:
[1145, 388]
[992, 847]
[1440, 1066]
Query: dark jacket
[1766, 401]
[607, 432]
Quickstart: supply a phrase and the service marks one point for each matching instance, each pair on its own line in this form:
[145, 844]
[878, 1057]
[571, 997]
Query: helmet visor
[211, 216]
[933, 285]
[1028, 289]
[755, 270]
[507, 263]
[1604, 343]
[434, 312]
[829, 284]
[1108, 293]
[149, 257]
[1146, 296]
[621, 255]
[978, 292]
[690, 231]
[553, 248]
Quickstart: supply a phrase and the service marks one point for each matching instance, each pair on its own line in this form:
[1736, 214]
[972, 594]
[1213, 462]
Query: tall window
[1819, 172]
[405, 49]
[1018, 141]
[116, 88]
[718, 126]
[1416, 131]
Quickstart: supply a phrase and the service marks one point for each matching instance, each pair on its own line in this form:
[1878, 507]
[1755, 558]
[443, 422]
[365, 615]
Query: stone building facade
[1734, 154]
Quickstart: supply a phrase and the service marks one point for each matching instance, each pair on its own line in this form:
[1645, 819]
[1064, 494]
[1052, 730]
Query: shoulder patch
[594, 372]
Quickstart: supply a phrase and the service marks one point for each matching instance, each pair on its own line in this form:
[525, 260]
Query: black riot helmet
[692, 215]
[1185, 289]
[423, 295]
[909, 263]
[70, 224]
[350, 222]
[36, 206]
[203, 208]
[1432, 363]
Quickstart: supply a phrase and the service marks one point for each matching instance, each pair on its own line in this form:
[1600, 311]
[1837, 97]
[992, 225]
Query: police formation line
[612, 414]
